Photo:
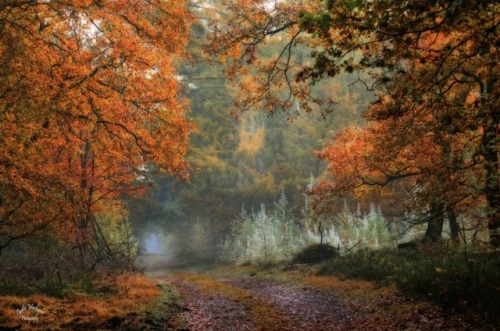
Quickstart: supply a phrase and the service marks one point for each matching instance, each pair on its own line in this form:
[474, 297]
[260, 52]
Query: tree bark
[435, 223]
[491, 119]
[320, 230]
[454, 227]
[492, 188]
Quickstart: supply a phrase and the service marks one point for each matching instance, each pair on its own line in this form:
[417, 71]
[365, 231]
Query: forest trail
[246, 299]
[255, 303]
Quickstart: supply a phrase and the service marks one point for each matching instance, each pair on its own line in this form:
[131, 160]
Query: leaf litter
[226, 299]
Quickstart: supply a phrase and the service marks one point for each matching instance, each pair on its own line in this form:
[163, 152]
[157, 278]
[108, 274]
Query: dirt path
[256, 304]
[210, 311]
[305, 308]
[251, 301]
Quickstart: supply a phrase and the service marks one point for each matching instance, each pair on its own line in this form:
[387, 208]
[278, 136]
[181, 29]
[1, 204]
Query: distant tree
[238, 158]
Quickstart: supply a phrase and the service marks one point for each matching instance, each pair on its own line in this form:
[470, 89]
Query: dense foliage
[433, 130]
[89, 101]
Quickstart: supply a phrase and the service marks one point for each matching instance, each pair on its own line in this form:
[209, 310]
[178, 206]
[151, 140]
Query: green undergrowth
[458, 282]
[55, 286]
[378, 266]
[315, 254]
[165, 310]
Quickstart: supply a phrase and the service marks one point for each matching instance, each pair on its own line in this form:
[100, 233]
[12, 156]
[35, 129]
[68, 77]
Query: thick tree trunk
[435, 223]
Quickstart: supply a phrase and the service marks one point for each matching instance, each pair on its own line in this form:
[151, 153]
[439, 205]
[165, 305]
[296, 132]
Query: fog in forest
[249, 165]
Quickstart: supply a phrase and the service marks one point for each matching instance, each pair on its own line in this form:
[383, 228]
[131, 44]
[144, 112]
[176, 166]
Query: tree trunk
[320, 230]
[454, 227]
[491, 173]
[492, 188]
[435, 223]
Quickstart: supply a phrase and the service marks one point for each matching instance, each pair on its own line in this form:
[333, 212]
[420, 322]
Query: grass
[127, 302]
[164, 308]
[445, 277]
[455, 283]
[376, 266]
[53, 286]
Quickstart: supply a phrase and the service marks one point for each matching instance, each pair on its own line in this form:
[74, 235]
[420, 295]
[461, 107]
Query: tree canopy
[434, 67]
[89, 99]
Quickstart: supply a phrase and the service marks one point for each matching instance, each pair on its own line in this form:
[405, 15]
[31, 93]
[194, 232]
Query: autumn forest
[225, 164]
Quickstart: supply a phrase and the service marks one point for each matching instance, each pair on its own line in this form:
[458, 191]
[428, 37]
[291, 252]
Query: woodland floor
[243, 298]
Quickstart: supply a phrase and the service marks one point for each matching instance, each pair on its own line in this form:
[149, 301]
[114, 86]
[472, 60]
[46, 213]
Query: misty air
[249, 165]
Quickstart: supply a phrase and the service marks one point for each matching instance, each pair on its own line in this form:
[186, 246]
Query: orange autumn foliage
[435, 62]
[422, 143]
[88, 100]
[396, 154]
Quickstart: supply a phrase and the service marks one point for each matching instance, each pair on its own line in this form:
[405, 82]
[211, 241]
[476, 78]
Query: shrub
[454, 282]
[366, 264]
[315, 254]
[447, 278]
[263, 238]
[51, 286]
